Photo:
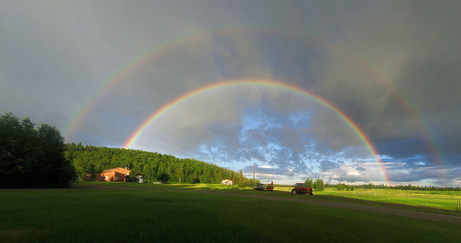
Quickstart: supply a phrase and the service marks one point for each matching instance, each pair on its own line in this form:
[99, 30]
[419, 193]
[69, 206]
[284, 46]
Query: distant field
[446, 200]
[175, 213]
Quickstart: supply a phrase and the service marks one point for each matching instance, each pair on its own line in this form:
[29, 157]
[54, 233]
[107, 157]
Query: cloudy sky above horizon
[98, 70]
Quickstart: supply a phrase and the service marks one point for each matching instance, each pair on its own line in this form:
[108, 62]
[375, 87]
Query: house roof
[118, 170]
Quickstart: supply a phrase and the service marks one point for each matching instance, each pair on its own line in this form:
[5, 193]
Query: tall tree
[32, 158]
[319, 185]
[91, 170]
[163, 178]
[308, 183]
[57, 170]
[12, 164]
[179, 173]
[241, 181]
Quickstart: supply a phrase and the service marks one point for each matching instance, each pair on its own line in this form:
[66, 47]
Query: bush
[163, 177]
[195, 180]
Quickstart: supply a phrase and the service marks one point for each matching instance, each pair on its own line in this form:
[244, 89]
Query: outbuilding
[115, 174]
[227, 182]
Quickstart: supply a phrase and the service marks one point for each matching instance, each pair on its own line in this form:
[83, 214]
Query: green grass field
[421, 200]
[176, 213]
[429, 201]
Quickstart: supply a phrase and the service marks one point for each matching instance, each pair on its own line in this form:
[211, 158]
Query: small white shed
[227, 182]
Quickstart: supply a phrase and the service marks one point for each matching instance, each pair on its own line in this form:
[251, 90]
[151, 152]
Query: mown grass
[428, 201]
[174, 214]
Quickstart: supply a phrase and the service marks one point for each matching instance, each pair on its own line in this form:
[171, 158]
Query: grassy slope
[75, 215]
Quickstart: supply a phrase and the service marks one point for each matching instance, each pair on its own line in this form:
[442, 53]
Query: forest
[149, 165]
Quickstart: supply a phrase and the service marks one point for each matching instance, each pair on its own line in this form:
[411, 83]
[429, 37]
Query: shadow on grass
[149, 186]
[224, 189]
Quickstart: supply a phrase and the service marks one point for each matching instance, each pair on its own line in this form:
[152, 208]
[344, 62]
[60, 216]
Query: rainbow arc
[132, 139]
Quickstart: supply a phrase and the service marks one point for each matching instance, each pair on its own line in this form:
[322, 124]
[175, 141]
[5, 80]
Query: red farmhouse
[115, 174]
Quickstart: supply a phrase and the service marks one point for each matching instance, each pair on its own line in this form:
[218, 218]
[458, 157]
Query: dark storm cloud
[392, 67]
[360, 169]
[328, 165]
[422, 61]
[405, 173]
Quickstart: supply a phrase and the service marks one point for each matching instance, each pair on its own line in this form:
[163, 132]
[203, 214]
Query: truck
[301, 189]
[263, 187]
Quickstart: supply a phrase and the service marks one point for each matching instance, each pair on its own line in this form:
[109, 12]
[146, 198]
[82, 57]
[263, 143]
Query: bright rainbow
[158, 51]
[277, 84]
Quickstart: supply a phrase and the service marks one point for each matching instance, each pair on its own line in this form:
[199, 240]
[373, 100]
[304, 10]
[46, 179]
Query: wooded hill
[149, 165]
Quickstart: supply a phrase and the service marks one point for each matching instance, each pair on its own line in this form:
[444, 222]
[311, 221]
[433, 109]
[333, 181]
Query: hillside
[149, 164]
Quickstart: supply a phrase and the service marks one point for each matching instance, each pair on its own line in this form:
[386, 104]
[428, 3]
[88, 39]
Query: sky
[345, 91]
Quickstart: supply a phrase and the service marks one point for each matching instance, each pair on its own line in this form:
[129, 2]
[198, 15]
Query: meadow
[417, 200]
[182, 212]
[429, 201]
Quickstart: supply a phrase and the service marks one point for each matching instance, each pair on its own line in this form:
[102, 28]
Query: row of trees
[425, 188]
[149, 164]
[408, 187]
[345, 187]
[32, 158]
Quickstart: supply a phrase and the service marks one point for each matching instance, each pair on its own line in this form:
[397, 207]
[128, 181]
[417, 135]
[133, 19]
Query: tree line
[408, 187]
[38, 157]
[345, 187]
[94, 160]
[320, 185]
[32, 158]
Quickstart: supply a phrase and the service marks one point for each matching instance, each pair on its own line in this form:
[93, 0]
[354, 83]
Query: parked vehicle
[263, 187]
[300, 189]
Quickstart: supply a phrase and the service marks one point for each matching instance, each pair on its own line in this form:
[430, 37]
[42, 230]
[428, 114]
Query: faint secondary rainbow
[120, 75]
[272, 83]
[405, 103]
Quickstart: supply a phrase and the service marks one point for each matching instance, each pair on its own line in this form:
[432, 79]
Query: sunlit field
[182, 212]
[422, 200]
[446, 200]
